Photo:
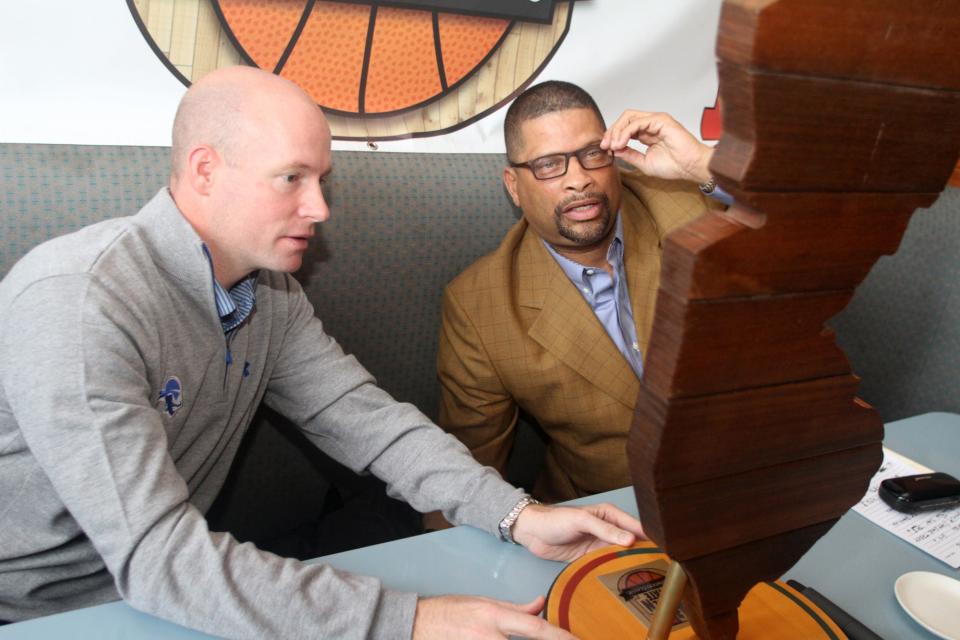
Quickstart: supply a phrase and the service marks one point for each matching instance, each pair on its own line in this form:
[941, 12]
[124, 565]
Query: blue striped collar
[233, 306]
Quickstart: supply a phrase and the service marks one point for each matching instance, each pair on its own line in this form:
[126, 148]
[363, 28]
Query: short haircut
[206, 115]
[541, 99]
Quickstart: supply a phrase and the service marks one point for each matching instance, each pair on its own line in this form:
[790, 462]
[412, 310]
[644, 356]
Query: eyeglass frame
[566, 161]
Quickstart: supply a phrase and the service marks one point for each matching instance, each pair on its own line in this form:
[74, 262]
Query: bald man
[133, 355]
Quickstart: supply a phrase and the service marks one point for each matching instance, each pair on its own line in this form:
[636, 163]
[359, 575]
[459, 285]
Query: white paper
[935, 532]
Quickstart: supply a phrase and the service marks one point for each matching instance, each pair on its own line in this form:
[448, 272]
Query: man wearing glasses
[555, 321]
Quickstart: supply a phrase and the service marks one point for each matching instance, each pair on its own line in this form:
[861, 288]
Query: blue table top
[855, 564]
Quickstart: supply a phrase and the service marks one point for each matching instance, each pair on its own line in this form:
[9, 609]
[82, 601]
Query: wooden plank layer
[905, 42]
[805, 242]
[796, 133]
[714, 346]
[707, 517]
[716, 436]
[720, 579]
[839, 119]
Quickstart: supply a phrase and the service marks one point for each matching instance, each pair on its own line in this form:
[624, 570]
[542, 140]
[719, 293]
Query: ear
[202, 163]
[510, 182]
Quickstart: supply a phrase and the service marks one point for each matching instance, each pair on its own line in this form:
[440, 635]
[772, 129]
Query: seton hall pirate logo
[170, 398]
[381, 69]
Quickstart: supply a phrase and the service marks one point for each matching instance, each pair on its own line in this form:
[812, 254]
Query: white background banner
[84, 73]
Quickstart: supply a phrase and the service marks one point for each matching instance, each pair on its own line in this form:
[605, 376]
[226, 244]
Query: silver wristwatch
[506, 525]
[708, 187]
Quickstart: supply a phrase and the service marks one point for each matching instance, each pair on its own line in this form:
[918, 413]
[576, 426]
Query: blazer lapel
[652, 208]
[642, 252]
[566, 325]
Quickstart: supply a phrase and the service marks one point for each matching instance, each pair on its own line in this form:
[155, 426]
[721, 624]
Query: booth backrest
[901, 331]
[404, 225]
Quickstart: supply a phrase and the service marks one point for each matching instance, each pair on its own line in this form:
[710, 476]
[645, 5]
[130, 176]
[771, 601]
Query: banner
[427, 76]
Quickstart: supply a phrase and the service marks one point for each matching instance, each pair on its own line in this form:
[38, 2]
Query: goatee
[588, 232]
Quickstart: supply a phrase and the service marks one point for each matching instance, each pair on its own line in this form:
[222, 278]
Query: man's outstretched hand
[566, 533]
[672, 151]
[475, 618]
[553, 533]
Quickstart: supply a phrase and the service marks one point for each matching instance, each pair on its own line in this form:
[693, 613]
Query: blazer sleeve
[475, 406]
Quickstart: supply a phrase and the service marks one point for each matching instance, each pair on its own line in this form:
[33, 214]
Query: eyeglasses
[555, 165]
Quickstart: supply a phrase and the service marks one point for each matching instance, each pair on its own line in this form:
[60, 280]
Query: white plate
[933, 600]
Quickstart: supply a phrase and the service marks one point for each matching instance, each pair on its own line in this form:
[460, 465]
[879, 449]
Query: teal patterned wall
[404, 224]
[901, 331]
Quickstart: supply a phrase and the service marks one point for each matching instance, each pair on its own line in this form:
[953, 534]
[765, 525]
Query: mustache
[599, 196]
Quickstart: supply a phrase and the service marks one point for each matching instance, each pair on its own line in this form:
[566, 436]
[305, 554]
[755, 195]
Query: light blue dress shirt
[608, 297]
[722, 196]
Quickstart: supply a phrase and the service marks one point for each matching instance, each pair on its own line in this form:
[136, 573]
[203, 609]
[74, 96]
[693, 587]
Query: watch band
[506, 525]
[707, 187]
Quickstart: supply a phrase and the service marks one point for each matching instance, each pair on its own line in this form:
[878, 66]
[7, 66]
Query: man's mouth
[582, 209]
[301, 240]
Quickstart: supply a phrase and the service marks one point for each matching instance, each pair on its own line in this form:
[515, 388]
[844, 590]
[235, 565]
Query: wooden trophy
[748, 442]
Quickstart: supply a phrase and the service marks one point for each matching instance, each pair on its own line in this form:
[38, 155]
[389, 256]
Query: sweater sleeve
[316, 385]
[75, 379]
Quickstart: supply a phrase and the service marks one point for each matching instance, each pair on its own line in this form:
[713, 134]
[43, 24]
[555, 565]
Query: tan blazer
[517, 334]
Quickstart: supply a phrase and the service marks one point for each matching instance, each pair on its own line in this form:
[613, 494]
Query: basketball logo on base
[639, 590]
[611, 593]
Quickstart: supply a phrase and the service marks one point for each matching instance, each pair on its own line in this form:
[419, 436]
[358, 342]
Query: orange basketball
[357, 58]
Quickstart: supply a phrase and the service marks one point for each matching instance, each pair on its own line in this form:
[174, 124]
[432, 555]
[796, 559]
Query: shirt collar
[235, 305]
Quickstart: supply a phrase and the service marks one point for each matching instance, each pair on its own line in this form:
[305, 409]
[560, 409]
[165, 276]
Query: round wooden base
[612, 592]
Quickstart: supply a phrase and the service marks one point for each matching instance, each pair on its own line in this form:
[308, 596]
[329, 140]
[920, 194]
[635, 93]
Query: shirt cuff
[722, 196]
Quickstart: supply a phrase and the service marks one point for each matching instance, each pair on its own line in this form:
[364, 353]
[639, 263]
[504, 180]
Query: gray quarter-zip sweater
[120, 416]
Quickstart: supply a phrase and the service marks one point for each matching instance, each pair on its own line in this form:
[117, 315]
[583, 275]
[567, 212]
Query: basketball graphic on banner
[380, 72]
[355, 58]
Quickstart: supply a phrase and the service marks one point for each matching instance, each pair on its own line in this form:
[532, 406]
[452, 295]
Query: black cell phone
[922, 492]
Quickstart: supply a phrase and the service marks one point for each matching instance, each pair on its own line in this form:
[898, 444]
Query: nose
[313, 205]
[577, 178]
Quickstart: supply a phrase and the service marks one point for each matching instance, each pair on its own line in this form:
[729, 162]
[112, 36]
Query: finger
[626, 126]
[534, 607]
[625, 118]
[648, 133]
[514, 623]
[634, 157]
[628, 116]
[647, 128]
[615, 515]
[607, 531]
[621, 135]
[605, 140]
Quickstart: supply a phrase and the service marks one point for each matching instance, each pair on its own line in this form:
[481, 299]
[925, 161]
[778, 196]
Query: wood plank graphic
[379, 72]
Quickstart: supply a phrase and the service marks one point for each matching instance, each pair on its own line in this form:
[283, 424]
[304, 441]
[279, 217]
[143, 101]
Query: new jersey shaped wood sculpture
[839, 120]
